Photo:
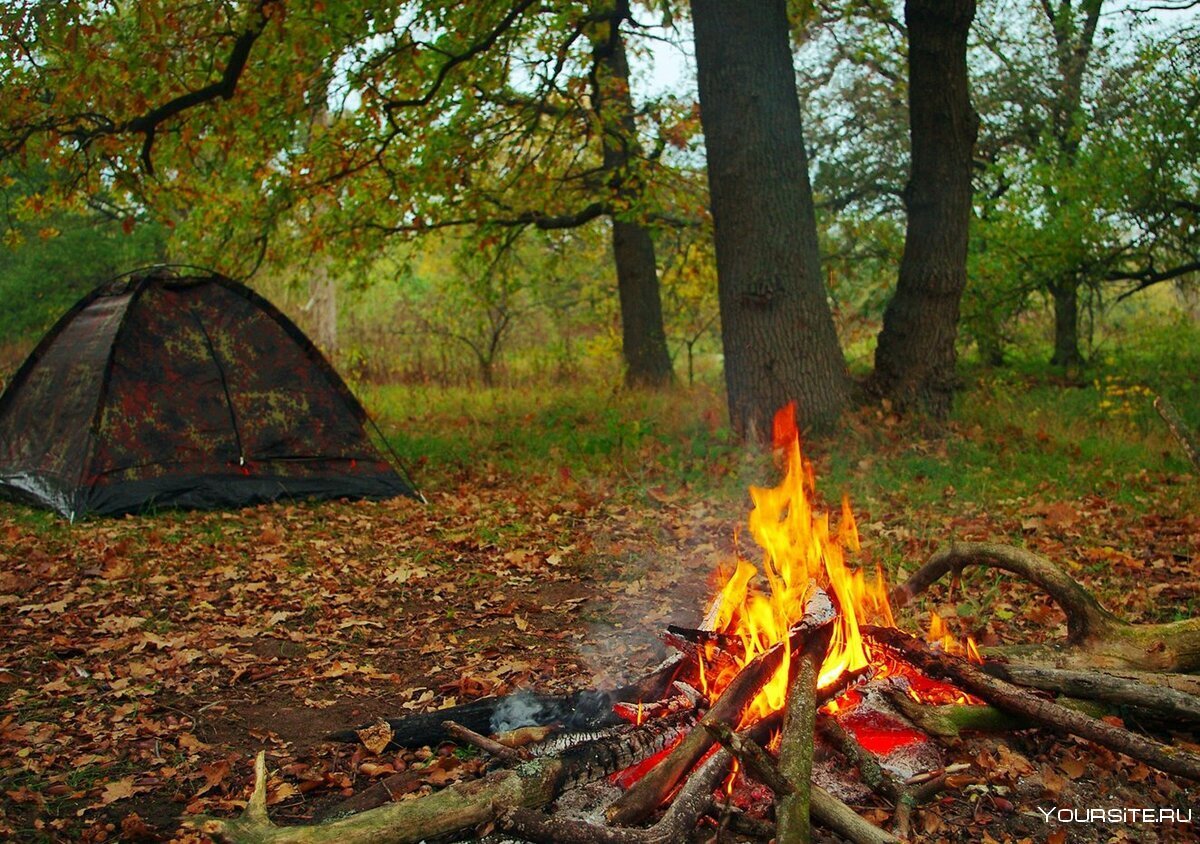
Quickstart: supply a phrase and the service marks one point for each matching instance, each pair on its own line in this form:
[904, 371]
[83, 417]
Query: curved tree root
[1095, 637]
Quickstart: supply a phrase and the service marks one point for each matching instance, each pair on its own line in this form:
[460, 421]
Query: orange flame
[800, 552]
[940, 634]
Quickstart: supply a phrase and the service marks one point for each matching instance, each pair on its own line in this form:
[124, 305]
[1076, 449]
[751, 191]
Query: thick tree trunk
[643, 337]
[776, 326]
[915, 359]
[1066, 324]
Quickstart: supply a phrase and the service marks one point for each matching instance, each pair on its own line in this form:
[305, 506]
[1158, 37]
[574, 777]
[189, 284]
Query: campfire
[795, 694]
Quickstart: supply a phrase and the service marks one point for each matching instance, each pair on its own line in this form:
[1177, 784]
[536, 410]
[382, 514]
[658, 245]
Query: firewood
[753, 758]
[949, 720]
[1022, 702]
[493, 748]
[828, 811]
[1095, 637]
[457, 807]
[833, 814]
[796, 743]
[640, 801]
[680, 818]
[1121, 689]
[905, 796]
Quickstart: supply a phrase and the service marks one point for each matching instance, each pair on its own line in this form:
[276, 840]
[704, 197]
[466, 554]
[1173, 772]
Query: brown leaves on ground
[144, 661]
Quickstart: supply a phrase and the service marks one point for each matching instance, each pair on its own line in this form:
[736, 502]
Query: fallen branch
[1021, 702]
[489, 746]
[1120, 689]
[1095, 637]
[457, 807]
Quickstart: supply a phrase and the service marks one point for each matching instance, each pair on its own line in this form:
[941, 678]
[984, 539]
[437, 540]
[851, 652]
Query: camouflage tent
[166, 390]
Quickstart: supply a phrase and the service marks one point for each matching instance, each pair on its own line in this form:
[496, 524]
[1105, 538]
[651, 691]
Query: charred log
[692, 801]
[460, 806]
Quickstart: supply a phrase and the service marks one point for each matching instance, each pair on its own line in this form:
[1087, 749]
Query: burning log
[1021, 702]
[457, 807]
[1095, 637]
[692, 801]
[796, 744]
[640, 801]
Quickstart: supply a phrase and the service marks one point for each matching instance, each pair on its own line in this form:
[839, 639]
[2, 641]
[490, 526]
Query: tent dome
[189, 390]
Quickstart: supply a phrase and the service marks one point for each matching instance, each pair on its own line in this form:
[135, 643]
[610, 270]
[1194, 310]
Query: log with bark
[457, 807]
[1022, 702]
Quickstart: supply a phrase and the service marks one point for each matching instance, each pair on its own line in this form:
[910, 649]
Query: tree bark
[776, 325]
[1066, 324]
[915, 359]
[643, 337]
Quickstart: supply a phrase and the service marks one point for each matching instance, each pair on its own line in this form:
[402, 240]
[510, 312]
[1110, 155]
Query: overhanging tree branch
[148, 123]
[456, 59]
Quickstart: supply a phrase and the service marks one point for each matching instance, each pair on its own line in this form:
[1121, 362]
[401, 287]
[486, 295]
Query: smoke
[578, 711]
[522, 709]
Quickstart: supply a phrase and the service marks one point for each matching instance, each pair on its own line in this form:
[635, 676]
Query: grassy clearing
[1016, 432]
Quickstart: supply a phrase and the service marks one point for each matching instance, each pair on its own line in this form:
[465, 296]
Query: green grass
[1020, 431]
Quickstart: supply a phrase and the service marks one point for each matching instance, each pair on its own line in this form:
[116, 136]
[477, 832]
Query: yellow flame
[800, 553]
[940, 634]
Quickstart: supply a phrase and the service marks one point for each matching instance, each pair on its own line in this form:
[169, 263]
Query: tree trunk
[776, 326]
[1066, 324]
[643, 338]
[915, 359]
[322, 307]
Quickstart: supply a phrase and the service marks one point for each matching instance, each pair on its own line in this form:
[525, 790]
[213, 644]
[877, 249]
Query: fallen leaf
[118, 790]
[376, 737]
